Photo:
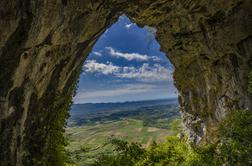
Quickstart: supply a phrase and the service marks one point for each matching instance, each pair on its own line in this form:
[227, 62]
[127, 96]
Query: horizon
[131, 101]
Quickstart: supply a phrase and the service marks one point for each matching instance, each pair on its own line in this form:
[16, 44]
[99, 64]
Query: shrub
[173, 151]
[126, 154]
[236, 134]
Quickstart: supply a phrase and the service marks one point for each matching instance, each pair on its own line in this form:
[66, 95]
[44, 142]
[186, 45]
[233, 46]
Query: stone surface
[43, 44]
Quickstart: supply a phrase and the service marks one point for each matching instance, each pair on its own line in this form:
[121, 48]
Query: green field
[93, 138]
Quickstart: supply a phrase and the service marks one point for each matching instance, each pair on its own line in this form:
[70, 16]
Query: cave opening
[43, 44]
[125, 91]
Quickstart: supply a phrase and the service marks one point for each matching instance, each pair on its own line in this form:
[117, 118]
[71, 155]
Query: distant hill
[90, 113]
[77, 109]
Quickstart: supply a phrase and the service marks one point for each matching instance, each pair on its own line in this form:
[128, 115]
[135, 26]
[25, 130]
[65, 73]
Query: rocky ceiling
[43, 44]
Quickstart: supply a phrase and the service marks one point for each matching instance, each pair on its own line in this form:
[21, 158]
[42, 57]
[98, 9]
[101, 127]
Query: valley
[91, 126]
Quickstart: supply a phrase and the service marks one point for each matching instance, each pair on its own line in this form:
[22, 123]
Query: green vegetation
[57, 154]
[236, 134]
[234, 148]
[172, 152]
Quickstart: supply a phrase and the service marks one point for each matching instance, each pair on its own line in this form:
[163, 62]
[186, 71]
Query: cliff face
[43, 44]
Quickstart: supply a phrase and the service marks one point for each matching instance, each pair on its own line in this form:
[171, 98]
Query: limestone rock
[43, 44]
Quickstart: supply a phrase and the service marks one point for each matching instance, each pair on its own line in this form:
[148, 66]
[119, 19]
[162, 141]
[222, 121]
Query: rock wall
[43, 44]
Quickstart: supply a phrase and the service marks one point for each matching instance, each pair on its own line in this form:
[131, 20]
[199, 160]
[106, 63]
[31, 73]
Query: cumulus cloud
[92, 66]
[142, 73]
[131, 56]
[128, 56]
[146, 73]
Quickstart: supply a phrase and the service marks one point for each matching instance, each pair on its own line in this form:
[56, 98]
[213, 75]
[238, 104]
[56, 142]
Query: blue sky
[126, 64]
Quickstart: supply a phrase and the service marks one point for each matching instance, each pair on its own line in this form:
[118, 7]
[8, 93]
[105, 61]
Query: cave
[43, 45]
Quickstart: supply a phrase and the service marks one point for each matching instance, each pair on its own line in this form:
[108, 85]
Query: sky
[126, 64]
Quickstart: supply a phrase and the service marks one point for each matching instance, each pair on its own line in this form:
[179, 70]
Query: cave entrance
[125, 91]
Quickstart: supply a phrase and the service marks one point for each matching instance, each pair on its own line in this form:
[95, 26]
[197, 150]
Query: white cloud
[146, 73]
[97, 53]
[128, 56]
[131, 56]
[92, 66]
[155, 58]
[129, 25]
[143, 73]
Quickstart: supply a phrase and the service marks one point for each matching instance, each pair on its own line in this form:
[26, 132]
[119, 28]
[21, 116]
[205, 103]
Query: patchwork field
[96, 136]
[90, 127]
